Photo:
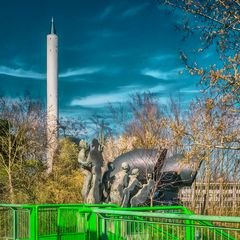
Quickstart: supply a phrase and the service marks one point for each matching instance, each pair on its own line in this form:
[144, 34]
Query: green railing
[152, 225]
[82, 221]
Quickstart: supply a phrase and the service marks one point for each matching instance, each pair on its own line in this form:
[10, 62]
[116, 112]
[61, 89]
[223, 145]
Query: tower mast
[52, 94]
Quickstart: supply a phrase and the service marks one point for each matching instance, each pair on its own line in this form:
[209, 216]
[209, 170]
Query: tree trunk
[11, 189]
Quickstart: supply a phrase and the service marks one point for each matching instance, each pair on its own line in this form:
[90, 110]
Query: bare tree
[218, 21]
[23, 144]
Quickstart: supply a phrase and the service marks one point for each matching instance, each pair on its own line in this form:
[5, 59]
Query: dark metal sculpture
[146, 160]
[135, 177]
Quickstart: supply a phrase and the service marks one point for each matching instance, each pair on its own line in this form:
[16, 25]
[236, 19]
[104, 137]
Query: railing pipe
[170, 215]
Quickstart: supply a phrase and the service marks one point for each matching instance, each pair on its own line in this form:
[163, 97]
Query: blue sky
[107, 51]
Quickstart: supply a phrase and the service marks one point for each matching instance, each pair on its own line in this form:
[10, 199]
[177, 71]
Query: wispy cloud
[134, 10]
[188, 90]
[163, 57]
[80, 71]
[19, 62]
[208, 54]
[121, 95]
[98, 100]
[164, 75]
[21, 73]
[107, 11]
[129, 88]
[139, 88]
[157, 89]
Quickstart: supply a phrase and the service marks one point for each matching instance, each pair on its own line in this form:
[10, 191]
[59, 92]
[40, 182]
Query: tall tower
[52, 94]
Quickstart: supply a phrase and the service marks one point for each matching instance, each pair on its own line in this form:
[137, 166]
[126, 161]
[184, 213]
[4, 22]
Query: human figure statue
[95, 159]
[120, 181]
[86, 168]
[106, 182]
[143, 194]
[132, 188]
[91, 197]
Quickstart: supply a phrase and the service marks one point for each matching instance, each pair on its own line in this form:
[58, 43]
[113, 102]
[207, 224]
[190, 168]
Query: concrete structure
[52, 94]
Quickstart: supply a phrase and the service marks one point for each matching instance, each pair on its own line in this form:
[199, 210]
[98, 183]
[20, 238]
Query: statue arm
[125, 181]
[85, 164]
[81, 156]
[140, 185]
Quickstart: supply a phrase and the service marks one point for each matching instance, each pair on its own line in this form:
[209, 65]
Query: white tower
[52, 94]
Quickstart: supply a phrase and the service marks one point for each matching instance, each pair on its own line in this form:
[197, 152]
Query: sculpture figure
[86, 168]
[169, 171]
[143, 194]
[95, 157]
[107, 182]
[92, 196]
[116, 185]
[120, 181]
[133, 187]
[94, 162]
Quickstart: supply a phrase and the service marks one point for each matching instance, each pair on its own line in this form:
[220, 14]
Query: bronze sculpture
[153, 175]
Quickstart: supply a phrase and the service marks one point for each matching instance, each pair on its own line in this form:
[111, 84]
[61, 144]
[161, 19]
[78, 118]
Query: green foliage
[65, 182]
[23, 177]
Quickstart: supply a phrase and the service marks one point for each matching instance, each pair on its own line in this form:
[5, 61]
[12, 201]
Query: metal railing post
[93, 226]
[32, 232]
[15, 224]
[188, 230]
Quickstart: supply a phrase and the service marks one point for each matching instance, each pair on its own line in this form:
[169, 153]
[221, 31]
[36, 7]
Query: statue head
[125, 166]
[135, 172]
[149, 176]
[110, 166]
[95, 143]
[83, 144]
